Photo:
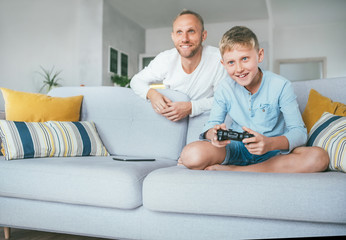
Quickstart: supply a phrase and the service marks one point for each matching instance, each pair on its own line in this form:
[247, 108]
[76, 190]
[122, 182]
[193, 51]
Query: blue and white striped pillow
[50, 139]
[329, 133]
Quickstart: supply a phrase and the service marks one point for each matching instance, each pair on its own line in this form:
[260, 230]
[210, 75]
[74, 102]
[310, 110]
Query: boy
[261, 103]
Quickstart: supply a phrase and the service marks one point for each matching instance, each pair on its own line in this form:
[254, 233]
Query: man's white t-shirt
[199, 85]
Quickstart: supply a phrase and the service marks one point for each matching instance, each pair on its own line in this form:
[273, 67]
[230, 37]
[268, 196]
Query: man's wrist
[150, 93]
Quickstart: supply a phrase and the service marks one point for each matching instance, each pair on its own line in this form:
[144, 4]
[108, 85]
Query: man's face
[241, 64]
[187, 35]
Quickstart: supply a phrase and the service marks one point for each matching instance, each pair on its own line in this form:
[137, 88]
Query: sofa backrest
[127, 124]
[333, 88]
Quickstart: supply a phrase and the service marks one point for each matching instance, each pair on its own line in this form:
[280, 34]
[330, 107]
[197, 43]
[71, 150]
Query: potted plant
[121, 81]
[50, 78]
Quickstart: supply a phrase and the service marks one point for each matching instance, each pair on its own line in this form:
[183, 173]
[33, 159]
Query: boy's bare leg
[7, 232]
[300, 160]
[201, 154]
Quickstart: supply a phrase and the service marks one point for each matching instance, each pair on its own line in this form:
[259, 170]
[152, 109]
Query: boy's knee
[323, 158]
[193, 156]
[318, 158]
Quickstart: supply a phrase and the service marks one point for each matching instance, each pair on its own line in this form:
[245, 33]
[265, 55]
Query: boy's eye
[245, 58]
[231, 62]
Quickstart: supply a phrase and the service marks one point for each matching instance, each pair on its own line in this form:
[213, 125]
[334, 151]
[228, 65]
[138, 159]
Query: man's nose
[185, 37]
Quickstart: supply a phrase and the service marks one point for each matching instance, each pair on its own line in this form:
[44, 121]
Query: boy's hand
[257, 145]
[212, 135]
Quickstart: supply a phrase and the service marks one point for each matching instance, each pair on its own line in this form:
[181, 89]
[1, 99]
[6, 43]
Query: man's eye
[191, 31]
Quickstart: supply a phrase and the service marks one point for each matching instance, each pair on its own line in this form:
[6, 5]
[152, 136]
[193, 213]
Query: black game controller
[232, 135]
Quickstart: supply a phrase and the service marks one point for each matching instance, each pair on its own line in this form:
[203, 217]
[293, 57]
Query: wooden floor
[20, 234]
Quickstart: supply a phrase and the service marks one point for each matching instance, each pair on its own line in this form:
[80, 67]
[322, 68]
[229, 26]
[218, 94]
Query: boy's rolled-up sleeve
[296, 132]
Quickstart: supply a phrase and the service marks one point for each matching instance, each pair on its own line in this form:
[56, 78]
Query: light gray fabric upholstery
[95, 181]
[334, 88]
[141, 223]
[256, 195]
[127, 124]
[97, 196]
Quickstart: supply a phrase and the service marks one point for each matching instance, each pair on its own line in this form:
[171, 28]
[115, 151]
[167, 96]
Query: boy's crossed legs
[203, 155]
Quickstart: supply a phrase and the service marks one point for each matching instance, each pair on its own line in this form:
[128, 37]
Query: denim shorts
[237, 154]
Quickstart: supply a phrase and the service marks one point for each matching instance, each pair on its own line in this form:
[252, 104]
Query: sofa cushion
[127, 124]
[329, 133]
[94, 181]
[334, 88]
[50, 139]
[246, 194]
[317, 105]
[36, 107]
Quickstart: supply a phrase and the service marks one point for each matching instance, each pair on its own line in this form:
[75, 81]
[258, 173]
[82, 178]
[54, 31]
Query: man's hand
[212, 135]
[177, 110]
[158, 101]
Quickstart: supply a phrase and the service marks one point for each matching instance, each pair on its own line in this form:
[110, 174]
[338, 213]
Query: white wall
[71, 35]
[123, 35]
[327, 40]
[65, 34]
[89, 18]
[313, 41]
[159, 39]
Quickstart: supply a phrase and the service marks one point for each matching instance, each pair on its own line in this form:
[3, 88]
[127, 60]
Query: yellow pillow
[35, 107]
[317, 105]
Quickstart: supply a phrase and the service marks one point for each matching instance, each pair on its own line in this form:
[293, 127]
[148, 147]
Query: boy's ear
[222, 62]
[260, 55]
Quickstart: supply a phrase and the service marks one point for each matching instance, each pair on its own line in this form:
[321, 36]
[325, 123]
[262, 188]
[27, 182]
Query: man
[189, 68]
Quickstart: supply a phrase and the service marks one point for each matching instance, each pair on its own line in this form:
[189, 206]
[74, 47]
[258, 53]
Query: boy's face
[187, 35]
[241, 64]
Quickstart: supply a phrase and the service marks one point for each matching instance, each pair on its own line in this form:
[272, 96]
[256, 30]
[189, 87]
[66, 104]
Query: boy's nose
[239, 67]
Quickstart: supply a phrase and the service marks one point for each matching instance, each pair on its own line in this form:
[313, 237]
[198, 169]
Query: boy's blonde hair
[238, 35]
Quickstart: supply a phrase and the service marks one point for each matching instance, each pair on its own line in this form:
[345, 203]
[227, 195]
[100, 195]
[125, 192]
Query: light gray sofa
[97, 196]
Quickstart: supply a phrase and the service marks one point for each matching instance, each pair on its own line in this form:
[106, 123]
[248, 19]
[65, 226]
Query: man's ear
[260, 55]
[204, 35]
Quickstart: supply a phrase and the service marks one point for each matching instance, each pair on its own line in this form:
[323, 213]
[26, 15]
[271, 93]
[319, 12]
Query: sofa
[100, 197]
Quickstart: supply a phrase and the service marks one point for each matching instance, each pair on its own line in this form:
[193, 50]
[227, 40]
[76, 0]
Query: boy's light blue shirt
[271, 111]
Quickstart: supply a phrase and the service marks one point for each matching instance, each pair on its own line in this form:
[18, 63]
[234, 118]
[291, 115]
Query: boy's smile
[241, 64]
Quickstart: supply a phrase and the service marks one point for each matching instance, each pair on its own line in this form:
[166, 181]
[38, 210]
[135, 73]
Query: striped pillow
[50, 139]
[329, 133]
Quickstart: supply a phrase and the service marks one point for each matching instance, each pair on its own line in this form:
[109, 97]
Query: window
[124, 64]
[302, 69]
[113, 60]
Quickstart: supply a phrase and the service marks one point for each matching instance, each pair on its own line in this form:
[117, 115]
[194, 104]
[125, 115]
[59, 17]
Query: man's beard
[192, 53]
